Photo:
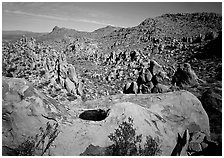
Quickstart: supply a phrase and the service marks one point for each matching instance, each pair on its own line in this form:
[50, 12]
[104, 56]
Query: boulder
[63, 69]
[157, 79]
[196, 140]
[126, 87]
[70, 86]
[61, 81]
[212, 99]
[212, 102]
[160, 88]
[131, 88]
[146, 88]
[136, 72]
[134, 87]
[80, 88]
[148, 76]
[155, 67]
[72, 74]
[158, 115]
[185, 76]
[145, 76]
[141, 78]
[24, 117]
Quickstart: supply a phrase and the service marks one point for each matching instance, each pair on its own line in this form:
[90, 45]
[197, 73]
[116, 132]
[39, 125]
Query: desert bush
[151, 147]
[27, 148]
[39, 144]
[127, 143]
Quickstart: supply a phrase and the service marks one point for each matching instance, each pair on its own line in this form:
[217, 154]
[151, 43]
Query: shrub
[127, 143]
[39, 144]
[27, 148]
[151, 147]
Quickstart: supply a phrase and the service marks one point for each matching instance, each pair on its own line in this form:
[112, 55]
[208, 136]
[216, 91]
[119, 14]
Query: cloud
[35, 15]
[56, 17]
[95, 22]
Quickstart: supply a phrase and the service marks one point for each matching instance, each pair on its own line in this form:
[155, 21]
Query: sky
[89, 16]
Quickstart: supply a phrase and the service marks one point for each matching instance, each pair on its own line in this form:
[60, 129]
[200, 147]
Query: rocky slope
[71, 68]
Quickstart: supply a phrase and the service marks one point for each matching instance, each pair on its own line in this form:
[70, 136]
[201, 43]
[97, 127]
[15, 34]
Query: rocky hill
[62, 33]
[183, 25]
[176, 26]
[97, 80]
[99, 33]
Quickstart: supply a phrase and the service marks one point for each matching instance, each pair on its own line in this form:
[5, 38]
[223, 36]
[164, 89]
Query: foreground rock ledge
[24, 110]
[157, 115]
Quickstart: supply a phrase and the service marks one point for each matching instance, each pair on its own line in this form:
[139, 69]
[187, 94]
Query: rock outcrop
[150, 80]
[185, 76]
[25, 111]
[212, 99]
[162, 116]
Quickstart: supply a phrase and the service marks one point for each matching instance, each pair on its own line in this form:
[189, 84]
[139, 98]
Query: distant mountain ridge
[16, 34]
[105, 31]
[176, 25]
[171, 25]
[165, 26]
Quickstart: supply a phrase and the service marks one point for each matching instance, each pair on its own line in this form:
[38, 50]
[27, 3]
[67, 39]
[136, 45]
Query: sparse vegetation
[39, 144]
[27, 148]
[127, 143]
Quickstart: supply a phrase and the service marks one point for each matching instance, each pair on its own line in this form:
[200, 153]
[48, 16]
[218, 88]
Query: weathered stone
[194, 146]
[148, 76]
[61, 81]
[141, 78]
[204, 145]
[63, 70]
[12, 97]
[161, 116]
[80, 88]
[126, 87]
[5, 88]
[69, 86]
[157, 79]
[185, 76]
[72, 74]
[144, 89]
[212, 99]
[155, 67]
[92, 150]
[134, 87]
[160, 88]
[198, 137]
[23, 118]
[150, 85]
[131, 88]
[196, 140]
[136, 72]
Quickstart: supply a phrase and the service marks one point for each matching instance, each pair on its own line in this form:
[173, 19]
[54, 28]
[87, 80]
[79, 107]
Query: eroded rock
[162, 116]
[185, 76]
[22, 118]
